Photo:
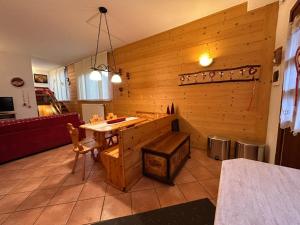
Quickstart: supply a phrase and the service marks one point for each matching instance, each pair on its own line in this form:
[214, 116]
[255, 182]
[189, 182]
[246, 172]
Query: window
[290, 109]
[89, 89]
[58, 84]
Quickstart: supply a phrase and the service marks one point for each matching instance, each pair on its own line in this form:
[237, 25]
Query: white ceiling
[56, 31]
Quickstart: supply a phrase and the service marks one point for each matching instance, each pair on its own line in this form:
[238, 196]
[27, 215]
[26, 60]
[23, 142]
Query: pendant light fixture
[97, 69]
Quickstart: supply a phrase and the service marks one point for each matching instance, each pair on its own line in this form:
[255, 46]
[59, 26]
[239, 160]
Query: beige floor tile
[113, 191]
[214, 201]
[10, 202]
[27, 217]
[208, 162]
[184, 176]
[143, 184]
[3, 217]
[86, 211]
[57, 214]
[35, 163]
[193, 191]
[66, 194]
[62, 169]
[14, 175]
[158, 184]
[144, 200]
[97, 175]
[211, 186]
[93, 189]
[14, 165]
[198, 154]
[54, 181]
[215, 169]
[75, 178]
[192, 163]
[201, 173]
[116, 206]
[169, 196]
[38, 198]
[43, 171]
[28, 185]
[7, 185]
[97, 167]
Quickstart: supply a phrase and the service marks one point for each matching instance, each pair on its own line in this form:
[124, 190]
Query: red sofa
[23, 137]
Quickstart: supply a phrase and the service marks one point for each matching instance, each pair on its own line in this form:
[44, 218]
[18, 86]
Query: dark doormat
[200, 212]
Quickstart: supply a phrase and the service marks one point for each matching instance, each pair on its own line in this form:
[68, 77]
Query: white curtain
[89, 89]
[290, 115]
[58, 84]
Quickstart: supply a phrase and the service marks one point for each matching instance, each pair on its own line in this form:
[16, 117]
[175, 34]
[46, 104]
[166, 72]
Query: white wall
[12, 65]
[275, 100]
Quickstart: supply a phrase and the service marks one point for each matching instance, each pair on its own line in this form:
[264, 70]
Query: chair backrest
[74, 134]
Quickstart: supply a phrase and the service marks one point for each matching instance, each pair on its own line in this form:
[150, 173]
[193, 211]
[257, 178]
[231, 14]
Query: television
[6, 104]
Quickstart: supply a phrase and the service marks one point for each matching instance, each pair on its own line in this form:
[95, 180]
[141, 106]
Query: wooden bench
[123, 162]
[164, 157]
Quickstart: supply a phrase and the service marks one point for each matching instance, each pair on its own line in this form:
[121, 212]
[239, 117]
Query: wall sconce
[205, 60]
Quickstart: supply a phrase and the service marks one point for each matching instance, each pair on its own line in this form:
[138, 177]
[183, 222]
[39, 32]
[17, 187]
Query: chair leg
[75, 162]
[93, 154]
[110, 142]
[83, 175]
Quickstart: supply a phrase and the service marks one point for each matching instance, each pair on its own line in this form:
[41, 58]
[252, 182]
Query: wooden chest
[164, 157]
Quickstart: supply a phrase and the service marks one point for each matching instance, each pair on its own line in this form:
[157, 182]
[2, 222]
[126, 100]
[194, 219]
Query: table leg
[101, 142]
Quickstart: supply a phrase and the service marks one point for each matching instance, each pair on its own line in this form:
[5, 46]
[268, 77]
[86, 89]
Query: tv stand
[7, 115]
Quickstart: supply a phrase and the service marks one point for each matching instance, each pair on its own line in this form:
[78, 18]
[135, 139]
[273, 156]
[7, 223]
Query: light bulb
[116, 78]
[205, 60]
[95, 75]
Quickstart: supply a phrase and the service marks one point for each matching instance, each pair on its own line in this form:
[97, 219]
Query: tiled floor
[41, 190]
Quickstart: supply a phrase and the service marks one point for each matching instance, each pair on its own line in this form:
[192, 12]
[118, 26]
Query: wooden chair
[109, 137]
[79, 148]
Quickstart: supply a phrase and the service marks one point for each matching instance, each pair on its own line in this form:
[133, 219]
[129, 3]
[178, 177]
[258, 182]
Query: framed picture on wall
[40, 78]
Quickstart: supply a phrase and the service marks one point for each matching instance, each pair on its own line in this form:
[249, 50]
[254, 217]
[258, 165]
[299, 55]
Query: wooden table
[101, 128]
[256, 193]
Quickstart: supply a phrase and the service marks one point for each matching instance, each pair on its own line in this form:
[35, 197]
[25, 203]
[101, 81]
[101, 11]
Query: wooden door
[288, 149]
[288, 145]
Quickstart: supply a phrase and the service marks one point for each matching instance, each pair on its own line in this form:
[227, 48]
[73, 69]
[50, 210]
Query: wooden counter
[256, 193]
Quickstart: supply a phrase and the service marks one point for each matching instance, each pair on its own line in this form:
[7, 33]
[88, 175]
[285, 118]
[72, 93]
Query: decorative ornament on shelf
[172, 109]
[97, 69]
[237, 74]
[168, 110]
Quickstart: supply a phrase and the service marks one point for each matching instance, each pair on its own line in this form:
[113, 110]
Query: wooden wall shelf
[245, 73]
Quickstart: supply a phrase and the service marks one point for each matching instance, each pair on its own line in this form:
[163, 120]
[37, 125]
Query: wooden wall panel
[234, 37]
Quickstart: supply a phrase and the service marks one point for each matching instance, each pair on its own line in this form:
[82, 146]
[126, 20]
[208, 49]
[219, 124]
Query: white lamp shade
[205, 60]
[95, 75]
[116, 78]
